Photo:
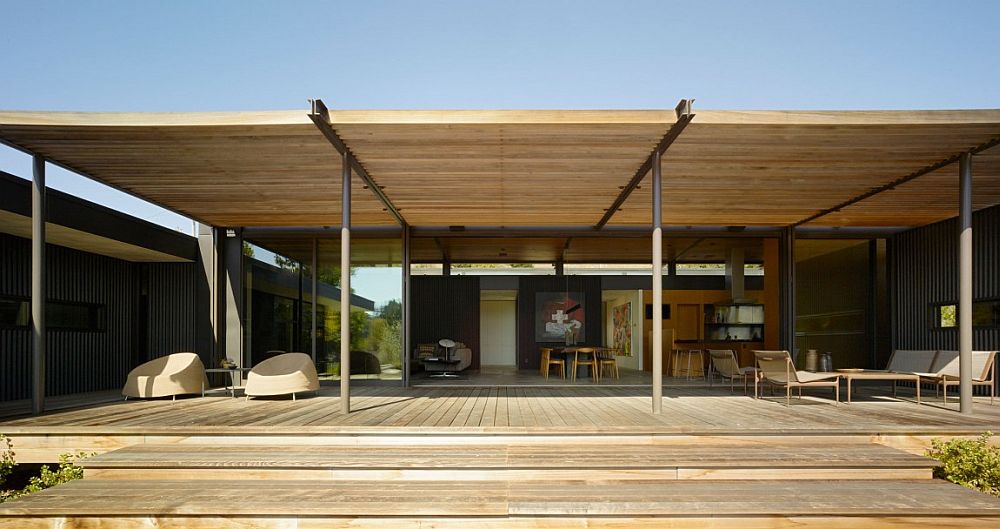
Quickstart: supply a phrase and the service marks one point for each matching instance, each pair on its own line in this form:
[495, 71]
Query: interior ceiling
[381, 251]
[528, 168]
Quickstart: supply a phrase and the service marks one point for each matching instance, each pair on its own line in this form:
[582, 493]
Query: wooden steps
[579, 482]
[542, 504]
[597, 459]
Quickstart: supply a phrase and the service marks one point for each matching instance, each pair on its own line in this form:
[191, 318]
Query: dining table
[571, 353]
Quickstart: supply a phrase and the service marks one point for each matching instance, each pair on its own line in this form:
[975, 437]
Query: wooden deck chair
[725, 365]
[776, 368]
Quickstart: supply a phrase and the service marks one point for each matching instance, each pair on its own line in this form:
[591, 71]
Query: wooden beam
[684, 116]
[320, 115]
[900, 181]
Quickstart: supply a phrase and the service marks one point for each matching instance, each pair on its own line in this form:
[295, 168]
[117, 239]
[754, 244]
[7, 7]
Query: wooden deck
[483, 415]
[502, 457]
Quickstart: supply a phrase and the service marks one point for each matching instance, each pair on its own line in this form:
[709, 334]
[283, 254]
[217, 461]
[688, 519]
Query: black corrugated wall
[925, 273]
[79, 361]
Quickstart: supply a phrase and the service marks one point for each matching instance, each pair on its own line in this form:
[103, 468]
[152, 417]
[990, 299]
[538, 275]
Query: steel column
[345, 286]
[786, 267]
[965, 283]
[406, 305]
[657, 347]
[38, 294]
[315, 296]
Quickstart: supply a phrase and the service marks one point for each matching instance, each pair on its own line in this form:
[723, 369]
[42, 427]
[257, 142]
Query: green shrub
[6, 458]
[971, 463]
[66, 471]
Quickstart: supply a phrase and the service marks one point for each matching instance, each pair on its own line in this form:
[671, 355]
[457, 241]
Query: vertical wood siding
[172, 315]
[92, 361]
[925, 272]
[446, 307]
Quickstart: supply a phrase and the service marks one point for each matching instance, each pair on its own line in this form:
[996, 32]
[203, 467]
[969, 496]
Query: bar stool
[690, 353]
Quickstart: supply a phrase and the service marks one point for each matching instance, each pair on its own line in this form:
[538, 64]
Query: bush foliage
[47, 477]
[971, 463]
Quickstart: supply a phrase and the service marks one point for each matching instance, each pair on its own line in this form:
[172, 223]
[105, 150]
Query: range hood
[736, 277]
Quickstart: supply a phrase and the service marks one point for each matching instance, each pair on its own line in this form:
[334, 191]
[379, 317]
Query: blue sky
[227, 55]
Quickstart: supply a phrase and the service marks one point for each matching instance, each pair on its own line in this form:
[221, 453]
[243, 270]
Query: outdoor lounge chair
[911, 361]
[777, 369]
[945, 372]
[288, 373]
[725, 365]
[171, 375]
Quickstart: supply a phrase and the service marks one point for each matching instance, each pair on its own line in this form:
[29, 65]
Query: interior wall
[498, 332]
[446, 307]
[615, 298]
[674, 298]
[529, 286]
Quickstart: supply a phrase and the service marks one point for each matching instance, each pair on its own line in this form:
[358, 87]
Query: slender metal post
[406, 305]
[657, 347]
[315, 297]
[965, 283]
[345, 287]
[38, 294]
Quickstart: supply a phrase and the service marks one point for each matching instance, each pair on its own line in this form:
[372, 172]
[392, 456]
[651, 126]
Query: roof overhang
[532, 168]
[82, 225]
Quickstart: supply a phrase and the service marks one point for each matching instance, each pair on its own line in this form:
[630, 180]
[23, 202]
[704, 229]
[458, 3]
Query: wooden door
[687, 324]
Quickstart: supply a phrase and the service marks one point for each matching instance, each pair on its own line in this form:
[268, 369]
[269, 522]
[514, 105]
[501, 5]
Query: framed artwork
[560, 317]
[622, 329]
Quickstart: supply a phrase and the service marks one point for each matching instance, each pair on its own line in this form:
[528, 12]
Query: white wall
[498, 332]
[613, 298]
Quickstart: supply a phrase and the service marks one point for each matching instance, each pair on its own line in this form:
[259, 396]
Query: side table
[233, 371]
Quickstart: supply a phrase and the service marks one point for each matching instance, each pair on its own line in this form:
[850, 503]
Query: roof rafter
[320, 115]
[899, 181]
[684, 116]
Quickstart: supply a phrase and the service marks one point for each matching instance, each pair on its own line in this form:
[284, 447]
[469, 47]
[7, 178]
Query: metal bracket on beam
[899, 181]
[684, 116]
[320, 116]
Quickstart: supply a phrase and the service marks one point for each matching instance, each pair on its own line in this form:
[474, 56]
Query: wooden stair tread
[109, 498]
[569, 456]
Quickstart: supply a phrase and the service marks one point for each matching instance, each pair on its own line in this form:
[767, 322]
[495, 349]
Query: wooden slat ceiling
[224, 169]
[382, 251]
[926, 199]
[778, 168]
[501, 168]
[521, 168]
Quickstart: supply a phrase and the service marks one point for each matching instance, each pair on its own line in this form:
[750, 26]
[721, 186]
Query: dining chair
[606, 360]
[589, 361]
[548, 362]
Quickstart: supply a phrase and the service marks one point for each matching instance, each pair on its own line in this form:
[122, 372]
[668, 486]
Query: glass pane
[13, 312]
[832, 300]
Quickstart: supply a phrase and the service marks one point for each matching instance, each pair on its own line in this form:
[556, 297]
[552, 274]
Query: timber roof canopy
[511, 168]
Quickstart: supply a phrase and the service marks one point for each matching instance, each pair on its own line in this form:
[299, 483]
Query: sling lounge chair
[777, 369]
[725, 365]
[946, 371]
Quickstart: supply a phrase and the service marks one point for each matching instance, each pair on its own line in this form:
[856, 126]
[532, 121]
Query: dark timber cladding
[684, 116]
[925, 276]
